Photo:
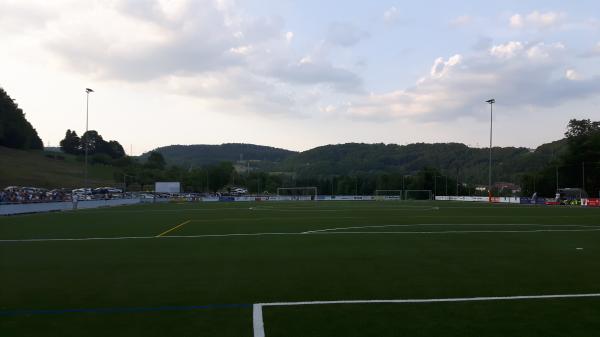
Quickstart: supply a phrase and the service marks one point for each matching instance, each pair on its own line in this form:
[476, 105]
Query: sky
[300, 74]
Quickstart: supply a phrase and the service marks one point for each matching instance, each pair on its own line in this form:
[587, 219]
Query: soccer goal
[297, 193]
[418, 195]
[388, 194]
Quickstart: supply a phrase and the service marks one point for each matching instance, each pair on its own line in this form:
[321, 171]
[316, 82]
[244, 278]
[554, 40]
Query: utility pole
[491, 103]
[87, 110]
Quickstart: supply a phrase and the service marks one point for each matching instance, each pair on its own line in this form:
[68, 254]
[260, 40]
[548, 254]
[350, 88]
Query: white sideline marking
[466, 232]
[147, 237]
[259, 325]
[316, 232]
[341, 209]
[257, 320]
[417, 225]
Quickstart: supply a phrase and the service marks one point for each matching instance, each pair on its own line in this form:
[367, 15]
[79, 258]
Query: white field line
[276, 218]
[354, 206]
[147, 237]
[338, 232]
[431, 225]
[461, 232]
[259, 325]
[241, 208]
[257, 320]
[343, 210]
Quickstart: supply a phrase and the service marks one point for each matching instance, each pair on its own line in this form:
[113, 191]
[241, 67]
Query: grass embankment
[48, 169]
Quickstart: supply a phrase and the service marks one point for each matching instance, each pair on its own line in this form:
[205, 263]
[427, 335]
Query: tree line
[578, 166]
[15, 131]
[578, 153]
[102, 151]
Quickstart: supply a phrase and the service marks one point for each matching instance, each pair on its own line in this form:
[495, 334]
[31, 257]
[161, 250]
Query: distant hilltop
[199, 155]
[358, 158]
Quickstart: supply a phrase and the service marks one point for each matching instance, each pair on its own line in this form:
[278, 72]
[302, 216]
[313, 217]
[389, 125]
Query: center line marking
[172, 229]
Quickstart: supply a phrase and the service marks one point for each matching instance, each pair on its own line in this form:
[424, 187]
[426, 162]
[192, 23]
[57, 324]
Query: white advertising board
[167, 187]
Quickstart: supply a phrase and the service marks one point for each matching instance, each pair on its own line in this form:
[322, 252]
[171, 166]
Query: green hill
[48, 169]
[55, 169]
[198, 155]
[358, 158]
[450, 158]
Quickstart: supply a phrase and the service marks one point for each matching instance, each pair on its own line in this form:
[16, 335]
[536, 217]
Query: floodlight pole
[583, 176]
[491, 103]
[403, 185]
[556, 179]
[87, 110]
[446, 183]
[457, 176]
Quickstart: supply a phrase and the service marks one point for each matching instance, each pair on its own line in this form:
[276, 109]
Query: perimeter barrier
[12, 209]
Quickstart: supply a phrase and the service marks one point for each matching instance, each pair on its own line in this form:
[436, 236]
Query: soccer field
[245, 269]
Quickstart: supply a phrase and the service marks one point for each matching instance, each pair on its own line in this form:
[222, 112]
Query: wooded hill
[199, 155]
[357, 158]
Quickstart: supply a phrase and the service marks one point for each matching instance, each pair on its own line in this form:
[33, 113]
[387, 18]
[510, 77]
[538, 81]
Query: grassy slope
[229, 270]
[33, 168]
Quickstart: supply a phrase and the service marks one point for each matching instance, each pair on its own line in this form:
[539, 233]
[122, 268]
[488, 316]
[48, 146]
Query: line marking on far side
[173, 228]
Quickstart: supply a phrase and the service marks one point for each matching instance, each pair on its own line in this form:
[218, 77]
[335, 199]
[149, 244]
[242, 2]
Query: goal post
[418, 195]
[297, 193]
[388, 194]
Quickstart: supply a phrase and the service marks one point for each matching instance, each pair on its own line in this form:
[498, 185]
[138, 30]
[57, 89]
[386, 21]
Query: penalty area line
[259, 325]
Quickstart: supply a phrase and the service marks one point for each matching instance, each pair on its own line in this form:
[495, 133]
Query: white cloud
[572, 75]
[308, 72]
[441, 68]
[391, 15]
[517, 74]
[507, 50]
[206, 49]
[345, 34]
[516, 21]
[593, 52]
[289, 36]
[537, 20]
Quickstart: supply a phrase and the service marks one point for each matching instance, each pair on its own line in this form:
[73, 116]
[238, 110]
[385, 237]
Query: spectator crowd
[15, 194]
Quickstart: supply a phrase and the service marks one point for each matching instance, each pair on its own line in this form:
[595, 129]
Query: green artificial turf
[200, 280]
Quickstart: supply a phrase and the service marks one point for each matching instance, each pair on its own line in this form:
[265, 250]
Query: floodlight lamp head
[88, 90]
[491, 101]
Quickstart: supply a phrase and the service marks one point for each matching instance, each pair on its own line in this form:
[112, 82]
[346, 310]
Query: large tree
[71, 143]
[15, 130]
[156, 160]
[95, 144]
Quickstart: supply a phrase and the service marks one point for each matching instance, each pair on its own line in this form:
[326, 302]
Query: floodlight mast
[87, 109]
[491, 103]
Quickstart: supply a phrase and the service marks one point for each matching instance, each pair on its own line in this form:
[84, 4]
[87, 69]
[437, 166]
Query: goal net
[388, 194]
[418, 195]
[297, 193]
